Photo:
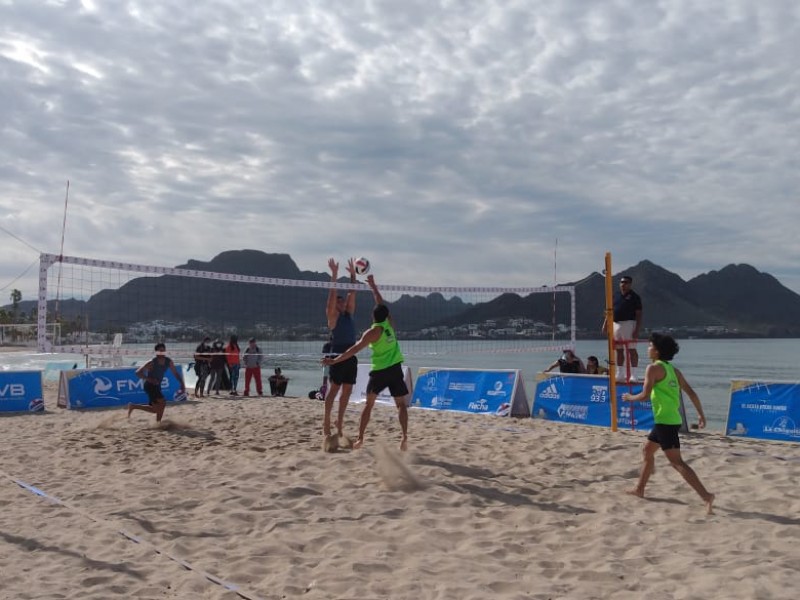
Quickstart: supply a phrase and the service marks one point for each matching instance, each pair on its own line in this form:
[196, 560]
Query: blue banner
[494, 392]
[103, 388]
[586, 399]
[764, 410]
[21, 391]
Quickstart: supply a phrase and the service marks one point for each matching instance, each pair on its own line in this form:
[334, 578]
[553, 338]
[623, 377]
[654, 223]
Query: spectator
[218, 363]
[202, 367]
[593, 367]
[568, 363]
[252, 367]
[232, 356]
[278, 383]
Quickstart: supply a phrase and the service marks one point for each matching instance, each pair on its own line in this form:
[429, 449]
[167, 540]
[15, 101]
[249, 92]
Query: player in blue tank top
[153, 372]
[339, 311]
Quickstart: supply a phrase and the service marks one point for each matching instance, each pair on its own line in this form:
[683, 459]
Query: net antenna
[555, 283]
[61, 254]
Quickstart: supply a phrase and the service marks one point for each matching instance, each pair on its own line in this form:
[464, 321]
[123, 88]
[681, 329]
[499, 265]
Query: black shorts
[344, 372]
[153, 392]
[666, 436]
[391, 377]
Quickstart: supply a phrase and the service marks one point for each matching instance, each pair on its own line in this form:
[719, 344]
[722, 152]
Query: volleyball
[362, 266]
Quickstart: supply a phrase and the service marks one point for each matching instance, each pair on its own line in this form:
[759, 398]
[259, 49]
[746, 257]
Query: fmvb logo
[12, 390]
[103, 386]
[550, 392]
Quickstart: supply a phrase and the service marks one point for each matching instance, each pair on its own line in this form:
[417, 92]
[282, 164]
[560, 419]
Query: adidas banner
[585, 399]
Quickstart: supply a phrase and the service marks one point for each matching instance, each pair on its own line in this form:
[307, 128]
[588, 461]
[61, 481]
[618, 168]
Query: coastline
[479, 507]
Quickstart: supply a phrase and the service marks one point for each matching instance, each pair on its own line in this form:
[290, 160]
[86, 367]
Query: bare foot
[358, 444]
[635, 492]
[130, 409]
[710, 504]
[404, 444]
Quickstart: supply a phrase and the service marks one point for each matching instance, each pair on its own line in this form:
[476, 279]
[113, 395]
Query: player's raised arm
[375, 292]
[330, 308]
[350, 303]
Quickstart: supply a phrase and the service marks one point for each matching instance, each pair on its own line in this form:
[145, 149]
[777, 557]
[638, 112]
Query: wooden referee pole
[612, 352]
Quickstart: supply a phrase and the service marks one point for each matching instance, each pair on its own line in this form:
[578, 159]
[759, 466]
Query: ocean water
[708, 365]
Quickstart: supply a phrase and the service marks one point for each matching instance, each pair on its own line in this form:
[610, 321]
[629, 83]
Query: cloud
[452, 143]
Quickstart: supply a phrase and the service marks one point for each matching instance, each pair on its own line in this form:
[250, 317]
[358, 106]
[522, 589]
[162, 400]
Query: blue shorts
[344, 372]
[153, 391]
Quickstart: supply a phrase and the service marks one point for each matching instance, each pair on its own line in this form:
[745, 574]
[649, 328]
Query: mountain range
[736, 300]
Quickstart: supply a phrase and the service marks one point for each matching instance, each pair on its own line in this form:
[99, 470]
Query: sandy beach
[235, 499]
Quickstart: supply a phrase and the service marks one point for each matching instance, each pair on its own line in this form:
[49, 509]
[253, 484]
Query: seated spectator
[568, 363]
[278, 383]
[593, 367]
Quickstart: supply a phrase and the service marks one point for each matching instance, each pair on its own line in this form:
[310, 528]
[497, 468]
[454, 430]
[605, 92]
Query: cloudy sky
[452, 142]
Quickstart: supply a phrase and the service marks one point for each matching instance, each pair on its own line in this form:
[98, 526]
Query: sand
[237, 494]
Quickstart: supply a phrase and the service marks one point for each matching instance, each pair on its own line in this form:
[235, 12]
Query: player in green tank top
[663, 384]
[387, 366]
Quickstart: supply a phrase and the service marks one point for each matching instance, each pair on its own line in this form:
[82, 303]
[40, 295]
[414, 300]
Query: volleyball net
[110, 308]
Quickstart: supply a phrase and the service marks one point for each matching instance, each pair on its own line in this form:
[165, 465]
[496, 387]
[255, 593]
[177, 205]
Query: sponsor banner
[107, 387]
[586, 399]
[764, 410]
[359, 393]
[21, 391]
[491, 392]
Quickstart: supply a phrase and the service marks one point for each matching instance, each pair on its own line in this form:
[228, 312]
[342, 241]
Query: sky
[451, 142]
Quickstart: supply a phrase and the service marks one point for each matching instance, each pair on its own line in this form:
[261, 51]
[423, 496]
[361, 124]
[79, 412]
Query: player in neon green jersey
[663, 384]
[387, 366]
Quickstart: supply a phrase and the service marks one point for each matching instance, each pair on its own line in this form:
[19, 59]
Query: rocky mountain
[736, 300]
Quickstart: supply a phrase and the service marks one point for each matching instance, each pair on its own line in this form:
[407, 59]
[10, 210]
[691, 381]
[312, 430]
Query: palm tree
[16, 298]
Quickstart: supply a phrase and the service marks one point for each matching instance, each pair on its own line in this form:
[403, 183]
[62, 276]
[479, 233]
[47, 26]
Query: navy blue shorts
[153, 392]
[391, 377]
[665, 436]
[344, 372]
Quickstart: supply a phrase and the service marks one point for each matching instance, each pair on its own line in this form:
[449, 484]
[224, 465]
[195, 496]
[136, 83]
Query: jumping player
[663, 384]
[153, 372]
[387, 366]
[339, 312]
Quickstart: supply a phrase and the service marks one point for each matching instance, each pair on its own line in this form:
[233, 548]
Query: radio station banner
[107, 387]
[359, 393]
[764, 410]
[498, 392]
[21, 391]
[586, 399]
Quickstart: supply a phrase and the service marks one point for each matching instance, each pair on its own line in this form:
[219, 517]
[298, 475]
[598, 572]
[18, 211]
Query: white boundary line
[136, 539]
